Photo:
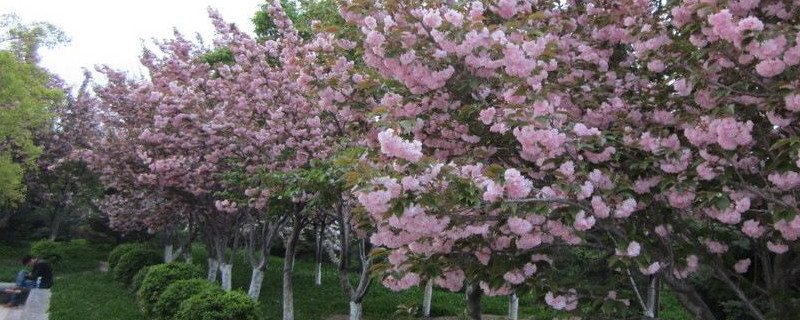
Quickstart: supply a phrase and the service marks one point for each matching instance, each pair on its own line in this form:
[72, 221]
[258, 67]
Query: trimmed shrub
[121, 250]
[179, 291]
[49, 250]
[136, 281]
[132, 262]
[159, 277]
[218, 305]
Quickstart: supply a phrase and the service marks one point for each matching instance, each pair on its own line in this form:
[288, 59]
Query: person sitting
[41, 276]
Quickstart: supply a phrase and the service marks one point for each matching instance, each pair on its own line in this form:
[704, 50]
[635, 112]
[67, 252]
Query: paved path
[35, 307]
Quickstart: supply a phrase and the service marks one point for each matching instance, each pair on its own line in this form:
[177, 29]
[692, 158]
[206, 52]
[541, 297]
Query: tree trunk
[288, 266]
[169, 254]
[213, 268]
[653, 297]
[689, 298]
[355, 310]
[55, 225]
[226, 270]
[426, 298]
[318, 256]
[256, 281]
[474, 294]
[513, 307]
[187, 255]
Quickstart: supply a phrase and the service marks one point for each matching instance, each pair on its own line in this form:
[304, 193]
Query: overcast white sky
[112, 32]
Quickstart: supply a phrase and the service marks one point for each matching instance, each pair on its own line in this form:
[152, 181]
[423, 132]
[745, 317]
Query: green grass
[92, 295]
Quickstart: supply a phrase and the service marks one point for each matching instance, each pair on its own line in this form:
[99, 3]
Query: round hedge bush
[178, 292]
[136, 281]
[218, 305]
[121, 250]
[132, 262]
[159, 277]
[48, 250]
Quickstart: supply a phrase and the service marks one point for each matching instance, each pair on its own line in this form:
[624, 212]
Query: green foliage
[157, 280]
[49, 250]
[25, 98]
[218, 305]
[132, 262]
[170, 300]
[138, 278]
[25, 39]
[121, 250]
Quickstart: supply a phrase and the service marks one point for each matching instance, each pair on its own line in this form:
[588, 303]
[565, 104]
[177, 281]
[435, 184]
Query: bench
[36, 306]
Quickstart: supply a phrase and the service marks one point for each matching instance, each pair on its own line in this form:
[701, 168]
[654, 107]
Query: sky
[112, 32]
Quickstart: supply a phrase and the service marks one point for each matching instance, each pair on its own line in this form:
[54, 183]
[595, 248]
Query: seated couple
[40, 276]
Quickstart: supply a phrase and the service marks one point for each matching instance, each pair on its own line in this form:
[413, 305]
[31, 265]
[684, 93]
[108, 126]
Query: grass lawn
[83, 293]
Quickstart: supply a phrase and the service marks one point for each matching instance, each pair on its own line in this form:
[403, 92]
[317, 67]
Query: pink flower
[601, 209]
[656, 66]
[715, 247]
[682, 88]
[633, 250]
[516, 185]
[792, 102]
[777, 248]
[753, 229]
[750, 24]
[514, 277]
[494, 191]
[651, 269]
[519, 226]
[432, 19]
[785, 181]
[454, 17]
[582, 222]
[581, 130]
[625, 209]
[741, 266]
[452, 280]
[731, 133]
[557, 302]
[487, 115]
[770, 68]
[394, 146]
[680, 199]
[663, 230]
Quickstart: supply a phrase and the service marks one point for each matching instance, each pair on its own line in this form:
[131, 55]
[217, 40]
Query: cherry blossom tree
[661, 133]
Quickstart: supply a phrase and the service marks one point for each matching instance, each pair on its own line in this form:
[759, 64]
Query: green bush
[121, 250]
[178, 292]
[159, 277]
[132, 262]
[218, 305]
[136, 281]
[49, 250]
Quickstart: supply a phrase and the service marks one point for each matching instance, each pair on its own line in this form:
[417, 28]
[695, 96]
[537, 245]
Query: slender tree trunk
[213, 268]
[169, 254]
[474, 294]
[653, 297]
[318, 257]
[226, 270]
[256, 282]
[426, 298]
[288, 267]
[187, 255]
[513, 307]
[55, 225]
[355, 310]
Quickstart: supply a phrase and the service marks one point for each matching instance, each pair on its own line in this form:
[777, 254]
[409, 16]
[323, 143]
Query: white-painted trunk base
[226, 269]
[256, 280]
[513, 307]
[213, 268]
[187, 256]
[169, 254]
[355, 310]
[426, 299]
[318, 274]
